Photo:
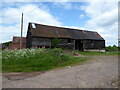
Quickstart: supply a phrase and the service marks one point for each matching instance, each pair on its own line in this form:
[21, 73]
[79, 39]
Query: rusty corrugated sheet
[52, 31]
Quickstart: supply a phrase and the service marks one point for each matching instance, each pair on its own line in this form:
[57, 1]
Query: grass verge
[0, 61]
[99, 53]
[30, 60]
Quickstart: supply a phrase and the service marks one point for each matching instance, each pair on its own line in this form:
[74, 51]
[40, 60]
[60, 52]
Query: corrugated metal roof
[60, 32]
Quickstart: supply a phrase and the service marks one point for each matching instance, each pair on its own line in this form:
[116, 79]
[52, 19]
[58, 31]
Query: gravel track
[95, 73]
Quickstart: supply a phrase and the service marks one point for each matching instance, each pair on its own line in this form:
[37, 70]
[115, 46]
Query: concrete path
[94, 73]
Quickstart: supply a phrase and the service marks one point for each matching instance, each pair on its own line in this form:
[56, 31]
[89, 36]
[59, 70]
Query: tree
[6, 43]
[55, 42]
[112, 48]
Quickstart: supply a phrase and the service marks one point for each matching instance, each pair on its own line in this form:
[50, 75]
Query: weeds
[29, 60]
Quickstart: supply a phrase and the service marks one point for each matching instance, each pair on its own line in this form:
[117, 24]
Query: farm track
[95, 73]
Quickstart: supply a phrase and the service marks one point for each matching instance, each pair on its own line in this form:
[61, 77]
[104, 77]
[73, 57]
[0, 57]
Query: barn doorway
[79, 45]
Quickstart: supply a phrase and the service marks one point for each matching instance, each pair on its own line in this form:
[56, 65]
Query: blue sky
[81, 15]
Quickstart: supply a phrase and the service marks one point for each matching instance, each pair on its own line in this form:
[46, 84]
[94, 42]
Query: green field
[29, 60]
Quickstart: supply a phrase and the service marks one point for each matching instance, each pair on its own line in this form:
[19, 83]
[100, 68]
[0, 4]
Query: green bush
[111, 48]
[55, 42]
[28, 60]
[7, 43]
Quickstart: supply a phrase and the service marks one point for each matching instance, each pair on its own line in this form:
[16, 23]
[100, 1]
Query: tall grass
[28, 60]
[87, 53]
[99, 53]
[0, 61]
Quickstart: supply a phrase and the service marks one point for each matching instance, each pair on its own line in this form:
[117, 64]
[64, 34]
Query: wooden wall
[37, 42]
[41, 42]
[94, 44]
[29, 38]
[69, 43]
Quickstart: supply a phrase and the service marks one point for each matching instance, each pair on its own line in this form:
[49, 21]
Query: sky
[98, 16]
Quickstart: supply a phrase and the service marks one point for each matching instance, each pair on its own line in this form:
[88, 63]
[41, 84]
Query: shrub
[111, 48]
[55, 42]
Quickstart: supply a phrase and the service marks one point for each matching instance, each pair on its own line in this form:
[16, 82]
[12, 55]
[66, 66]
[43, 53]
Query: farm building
[16, 43]
[39, 36]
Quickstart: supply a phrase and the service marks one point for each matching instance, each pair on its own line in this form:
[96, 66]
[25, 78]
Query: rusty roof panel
[60, 32]
[48, 31]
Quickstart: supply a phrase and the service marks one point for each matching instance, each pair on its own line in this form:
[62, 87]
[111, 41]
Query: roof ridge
[50, 31]
[18, 37]
[62, 27]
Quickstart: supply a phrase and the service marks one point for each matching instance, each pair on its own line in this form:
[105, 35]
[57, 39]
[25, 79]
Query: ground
[0, 69]
[96, 73]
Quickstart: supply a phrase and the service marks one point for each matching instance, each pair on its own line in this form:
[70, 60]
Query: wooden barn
[39, 36]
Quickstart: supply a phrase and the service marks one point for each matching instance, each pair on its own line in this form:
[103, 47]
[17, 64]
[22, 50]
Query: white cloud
[35, 0]
[81, 16]
[12, 19]
[103, 19]
[66, 5]
[8, 32]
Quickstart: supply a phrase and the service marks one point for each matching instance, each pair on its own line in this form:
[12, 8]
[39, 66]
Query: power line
[34, 8]
[22, 25]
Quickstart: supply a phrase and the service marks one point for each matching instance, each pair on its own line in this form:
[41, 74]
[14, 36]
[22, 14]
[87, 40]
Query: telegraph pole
[21, 31]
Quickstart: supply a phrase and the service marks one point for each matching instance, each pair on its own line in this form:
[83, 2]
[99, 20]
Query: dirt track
[96, 73]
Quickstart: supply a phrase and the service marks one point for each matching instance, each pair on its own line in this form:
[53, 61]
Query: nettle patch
[20, 54]
[28, 60]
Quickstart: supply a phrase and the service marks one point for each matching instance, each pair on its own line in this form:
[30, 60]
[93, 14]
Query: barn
[39, 36]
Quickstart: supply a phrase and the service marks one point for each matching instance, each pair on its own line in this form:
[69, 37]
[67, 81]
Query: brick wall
[16, 43]
[13, 46]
